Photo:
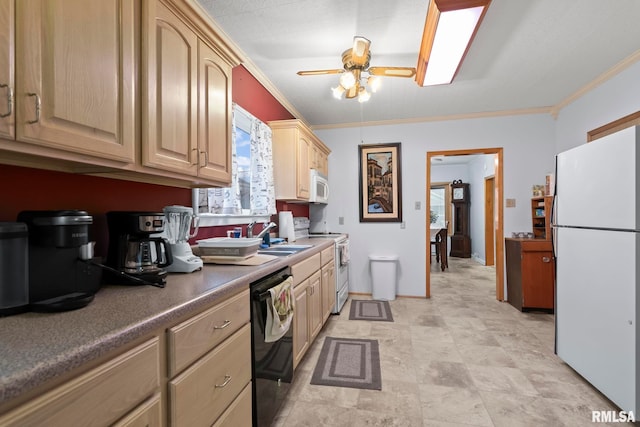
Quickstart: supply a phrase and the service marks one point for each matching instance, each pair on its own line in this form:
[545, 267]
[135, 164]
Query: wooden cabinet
[239, 412]
[200, 395]
[328, 281]
[99, 397]
[319, 158]
[295, 151]
[541, 217]
[76, 66]
[315, 304]
[307, 316]
[188, 100]
[530, 273]
[149, 413]
[7, 70]
[193, 338]
[210, 362]
[301, 337]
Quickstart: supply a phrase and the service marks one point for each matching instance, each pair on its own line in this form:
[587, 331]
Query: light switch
[417, 206]
[340, 220]
[510, 203]
[403, 225]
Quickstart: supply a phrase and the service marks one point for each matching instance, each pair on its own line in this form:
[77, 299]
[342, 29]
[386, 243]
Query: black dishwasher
[272, 362]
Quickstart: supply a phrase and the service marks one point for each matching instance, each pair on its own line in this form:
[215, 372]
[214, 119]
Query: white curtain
[227, 200]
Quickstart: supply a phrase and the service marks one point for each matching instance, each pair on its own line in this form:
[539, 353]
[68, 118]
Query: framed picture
[380, 183]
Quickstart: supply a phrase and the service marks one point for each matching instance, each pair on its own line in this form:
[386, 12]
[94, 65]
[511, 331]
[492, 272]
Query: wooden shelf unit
[541, 217]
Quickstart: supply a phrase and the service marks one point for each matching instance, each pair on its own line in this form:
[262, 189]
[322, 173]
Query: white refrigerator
[596, 243]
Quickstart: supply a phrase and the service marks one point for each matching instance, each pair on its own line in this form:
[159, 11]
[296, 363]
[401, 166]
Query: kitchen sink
[284, 250]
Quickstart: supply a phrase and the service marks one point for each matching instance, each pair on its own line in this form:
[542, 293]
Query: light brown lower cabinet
[99, 397]
[239, 412]
[200, 395]
[148, 414]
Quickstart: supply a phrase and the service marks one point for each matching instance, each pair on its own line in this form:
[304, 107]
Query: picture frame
[380, 182]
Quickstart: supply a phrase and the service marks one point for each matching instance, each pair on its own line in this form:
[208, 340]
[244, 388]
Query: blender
[178, 220]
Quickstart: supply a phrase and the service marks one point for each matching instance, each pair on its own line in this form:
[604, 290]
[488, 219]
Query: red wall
[25, 188]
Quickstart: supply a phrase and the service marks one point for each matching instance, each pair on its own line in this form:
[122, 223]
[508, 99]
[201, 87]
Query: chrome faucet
[266, 229]
[250, 229]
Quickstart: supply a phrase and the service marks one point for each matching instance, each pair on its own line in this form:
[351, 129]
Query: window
[251, 195]
[440, 209]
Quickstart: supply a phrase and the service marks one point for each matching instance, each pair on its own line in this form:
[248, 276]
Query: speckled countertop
[36, 347]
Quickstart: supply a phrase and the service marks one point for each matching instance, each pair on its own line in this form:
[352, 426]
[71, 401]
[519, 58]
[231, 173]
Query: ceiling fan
[355, 62]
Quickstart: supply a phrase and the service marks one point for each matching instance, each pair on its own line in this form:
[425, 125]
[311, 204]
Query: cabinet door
[214, 126]
[315, 305]
[7, 84]
[537, 279]
[328, 289]
[300, 322]
[169, 110]
[76, 64]
[302, 168]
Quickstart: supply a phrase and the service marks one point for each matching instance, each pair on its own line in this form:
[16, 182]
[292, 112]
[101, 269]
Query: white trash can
[384, 276]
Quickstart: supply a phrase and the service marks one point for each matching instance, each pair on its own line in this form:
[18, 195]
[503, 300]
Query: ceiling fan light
[363, 95]
[374, 83]
[338, 91]
[347, 80]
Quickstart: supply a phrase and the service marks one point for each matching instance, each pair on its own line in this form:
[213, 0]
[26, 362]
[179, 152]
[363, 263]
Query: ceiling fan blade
[319, 72]
[392, 71]
[353, 92]
[360, 51]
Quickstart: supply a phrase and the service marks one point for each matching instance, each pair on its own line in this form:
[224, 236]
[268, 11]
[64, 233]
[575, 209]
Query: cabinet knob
[37, 119]
[546, 259]
[206, 158]
[224, 325]
[9, 100]
[227, 379]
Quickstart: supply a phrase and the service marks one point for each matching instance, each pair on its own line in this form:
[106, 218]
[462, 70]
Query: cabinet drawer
[99, 397]
[326, 255]
[146, 415]
[195, 337]
[305, 268]
[200, 395]
[239, 413]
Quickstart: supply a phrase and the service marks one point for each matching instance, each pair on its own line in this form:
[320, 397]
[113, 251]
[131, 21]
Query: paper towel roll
[286, 230]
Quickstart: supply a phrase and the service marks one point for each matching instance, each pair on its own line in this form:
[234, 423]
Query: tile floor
[460, 358]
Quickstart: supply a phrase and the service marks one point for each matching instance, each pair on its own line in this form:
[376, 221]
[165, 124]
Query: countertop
[37, 347]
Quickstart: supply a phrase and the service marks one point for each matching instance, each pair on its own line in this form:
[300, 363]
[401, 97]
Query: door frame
[499, 234]
[489, 219]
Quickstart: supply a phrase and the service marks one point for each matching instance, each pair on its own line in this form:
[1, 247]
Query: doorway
[497, 207]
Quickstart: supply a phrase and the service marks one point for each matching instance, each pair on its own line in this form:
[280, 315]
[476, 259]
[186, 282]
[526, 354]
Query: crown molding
[540, 110]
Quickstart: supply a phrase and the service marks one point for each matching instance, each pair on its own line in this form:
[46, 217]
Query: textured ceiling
[528, 54]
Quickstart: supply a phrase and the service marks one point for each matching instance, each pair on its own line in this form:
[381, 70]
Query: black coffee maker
[61, 274]
[136, 257]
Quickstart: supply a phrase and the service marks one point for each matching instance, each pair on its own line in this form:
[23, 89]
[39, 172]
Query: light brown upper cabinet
[186, 108]
[295, 151]
[76, 66]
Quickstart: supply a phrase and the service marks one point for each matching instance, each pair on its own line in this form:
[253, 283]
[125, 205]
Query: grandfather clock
[460, 240]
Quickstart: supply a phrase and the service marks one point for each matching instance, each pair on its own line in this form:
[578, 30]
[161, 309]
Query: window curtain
[226, 201]
[263, 195]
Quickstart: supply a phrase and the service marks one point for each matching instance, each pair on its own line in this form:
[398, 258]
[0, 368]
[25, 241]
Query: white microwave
[319, 186]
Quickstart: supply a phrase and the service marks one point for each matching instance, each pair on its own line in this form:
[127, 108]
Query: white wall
[480, 168]
[529, 148]
[530, 143]
[616, 98]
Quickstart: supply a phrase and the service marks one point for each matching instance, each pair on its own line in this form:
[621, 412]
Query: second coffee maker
[137, 257]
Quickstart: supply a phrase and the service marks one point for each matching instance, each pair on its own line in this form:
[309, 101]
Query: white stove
[341, 258]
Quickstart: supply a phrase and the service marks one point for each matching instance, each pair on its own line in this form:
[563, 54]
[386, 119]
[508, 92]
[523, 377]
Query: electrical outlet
[417, 206]
[510, 203]
[340, 220]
